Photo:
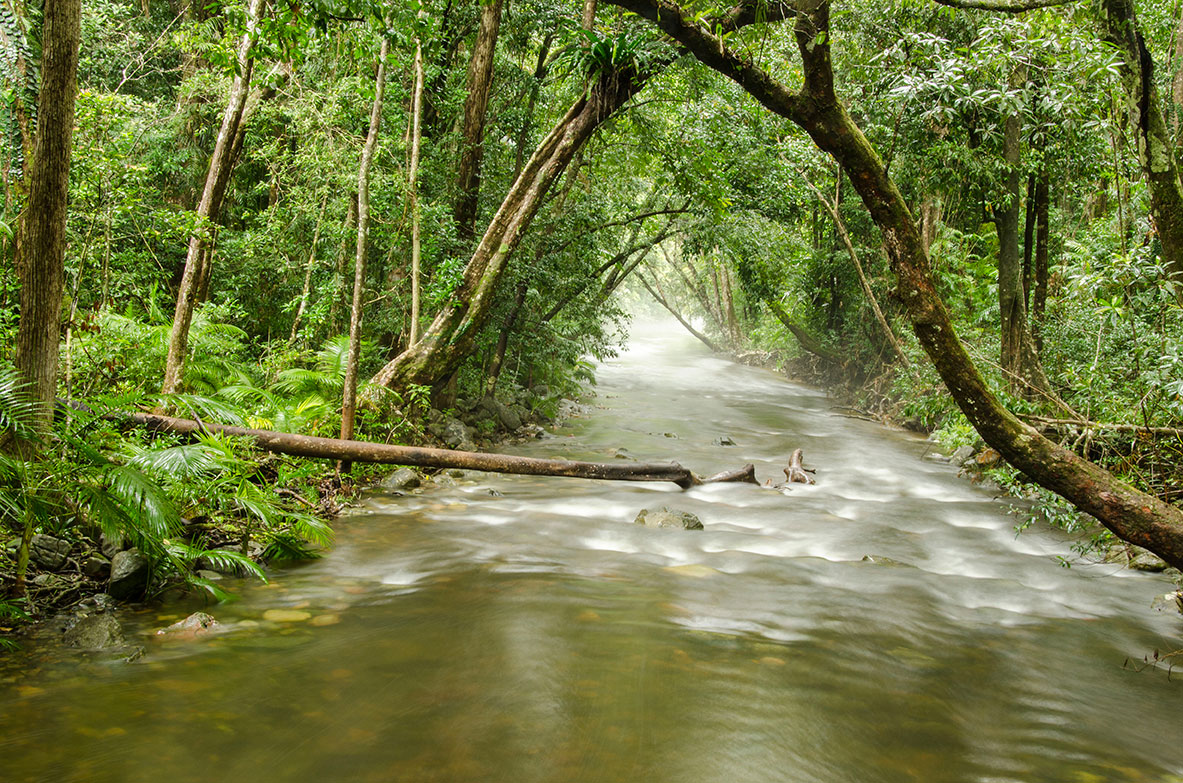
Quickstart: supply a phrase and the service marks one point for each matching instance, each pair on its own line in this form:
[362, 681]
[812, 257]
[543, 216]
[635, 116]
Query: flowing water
[523, 629]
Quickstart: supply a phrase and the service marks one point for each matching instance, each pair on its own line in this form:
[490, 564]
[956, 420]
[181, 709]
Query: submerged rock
[192, 626]
[95, 632]
[883, 561]
[1168, 602]
[724, 440]
[664, 517]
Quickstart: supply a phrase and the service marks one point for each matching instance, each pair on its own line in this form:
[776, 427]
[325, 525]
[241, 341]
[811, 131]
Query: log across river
[521, 628]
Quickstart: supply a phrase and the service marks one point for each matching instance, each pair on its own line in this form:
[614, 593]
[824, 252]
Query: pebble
[286, 615]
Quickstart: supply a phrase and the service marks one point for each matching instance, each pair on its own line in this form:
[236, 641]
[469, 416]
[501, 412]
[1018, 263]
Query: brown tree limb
[386, 454]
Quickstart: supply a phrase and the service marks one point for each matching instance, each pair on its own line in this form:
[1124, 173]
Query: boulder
[508, 416]
[1136, 558]
[130, 570]
[724, 440]
[664, 517]
[987, 458]
[111, 545]
[961, 454]
[96, 566]
[457, 435]
[49, 552]
[403, 478]
[95, 632]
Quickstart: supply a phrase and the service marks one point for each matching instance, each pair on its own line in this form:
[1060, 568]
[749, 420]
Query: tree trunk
[41, 238]
[844, 235]
[349, 400]
[480, 82]
[217, 177]
[339, 268]
[1039, 297]
[1156, 150]
[307, 290]
[804, 338]
[385, 454]
[511, 318]
[1132, 515]
[658, 295]
[413, 185]
[452, 335]
[1019, 359]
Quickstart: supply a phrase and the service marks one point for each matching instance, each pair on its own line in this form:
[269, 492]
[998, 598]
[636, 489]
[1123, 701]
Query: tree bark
[349, 398]
[1132, 515]
[1039, 296]
[511, 319]
[217, 177]
[41, 237]
[480, 83]
[386, 454]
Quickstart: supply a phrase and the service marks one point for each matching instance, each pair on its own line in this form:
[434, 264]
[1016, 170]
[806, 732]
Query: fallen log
[385, 454]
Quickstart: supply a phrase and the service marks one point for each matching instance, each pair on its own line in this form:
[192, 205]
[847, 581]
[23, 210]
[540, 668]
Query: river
[517, 628]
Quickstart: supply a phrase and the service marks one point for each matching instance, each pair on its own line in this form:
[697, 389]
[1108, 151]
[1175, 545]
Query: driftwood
[795, 473]
[381, 453]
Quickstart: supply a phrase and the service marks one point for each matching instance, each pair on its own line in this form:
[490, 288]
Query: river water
[523, 629]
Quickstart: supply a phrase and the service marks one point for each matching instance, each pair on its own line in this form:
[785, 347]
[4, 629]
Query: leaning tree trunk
[221, 164]
[41, 240]
[1132, 515]
[480, 82]
[451, 338]
[349, 401]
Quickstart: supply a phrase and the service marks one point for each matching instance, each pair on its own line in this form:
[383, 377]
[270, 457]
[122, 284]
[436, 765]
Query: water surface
[522, 629]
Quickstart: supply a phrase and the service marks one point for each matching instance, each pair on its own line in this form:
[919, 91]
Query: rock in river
[663, 517]
[95, 632]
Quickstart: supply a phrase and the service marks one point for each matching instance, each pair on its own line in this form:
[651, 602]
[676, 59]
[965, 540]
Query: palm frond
[255, 502]
[187, 462]
[19, 409]
[200, 407]
[286, 546]
[220, 559]
[149, 509]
